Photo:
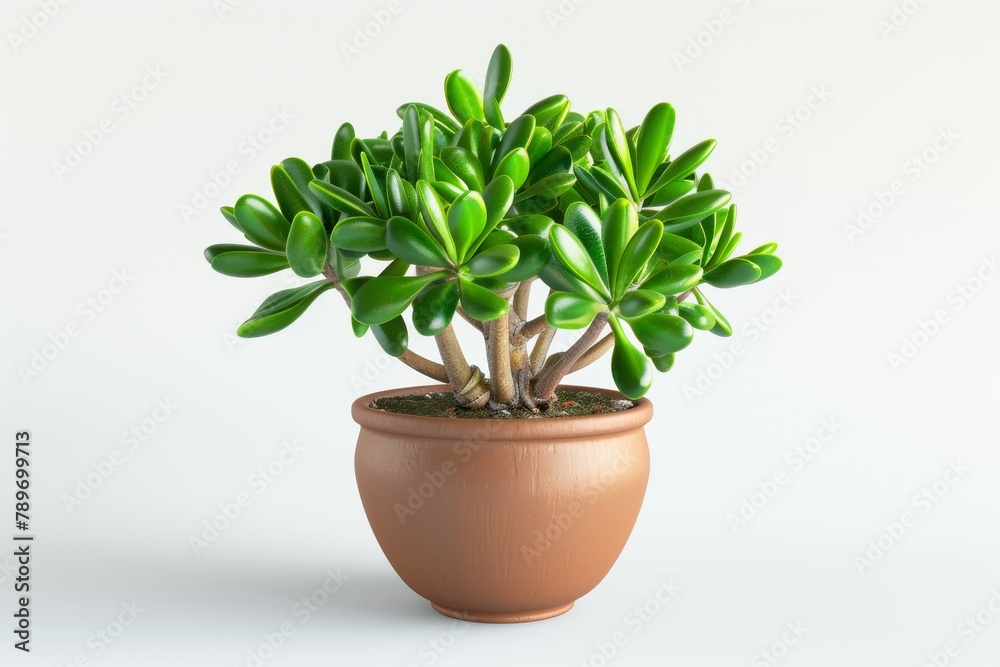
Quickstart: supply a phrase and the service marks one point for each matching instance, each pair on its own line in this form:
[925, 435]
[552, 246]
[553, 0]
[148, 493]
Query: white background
[888, 91]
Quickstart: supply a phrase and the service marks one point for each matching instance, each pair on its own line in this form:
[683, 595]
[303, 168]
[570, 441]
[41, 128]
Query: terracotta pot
[501, 521]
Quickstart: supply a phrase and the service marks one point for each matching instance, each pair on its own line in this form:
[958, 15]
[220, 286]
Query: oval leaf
[307, 245]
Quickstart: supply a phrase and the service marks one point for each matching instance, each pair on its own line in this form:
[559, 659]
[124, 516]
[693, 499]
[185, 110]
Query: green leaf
[565, 310]
[229, 213]
[412, 142]
[549, 187]
[434, 308]
[281, 309]
[768, 264]
[441, 119]
[498, 74]
[551, 111]
[663, 362]
[247, 262]
[533, 255]
[573, 256]
[697, 316]
[674, 279]
[466, 221]
[385, 297]
[608, 184]
[378, 195]
[557, 161]
[621, 154]
[733, 273]
[465, 101]
[464, 164]
[213, 251]
[514, 166]
[412, 244]
[683, 165]
[360, 233]
[686, 211]
[307, 245]
[722, 326]
[540, 144]
[290, 199]
[666, 334]
[639, 250]
[722, 242]
[652, 144]
[435, 218]
[396, 195]
[586, 226]
[640, 302]
[392, 336]
[493, 261]
[620, 223]
[670, 193]
[342, 142]
[673, 247]
[340, 199]
[630, 368]
[766, 249]
[262, 222]
[480, 303]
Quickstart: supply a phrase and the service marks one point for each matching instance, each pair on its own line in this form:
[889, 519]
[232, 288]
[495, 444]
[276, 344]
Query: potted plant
[501, 495]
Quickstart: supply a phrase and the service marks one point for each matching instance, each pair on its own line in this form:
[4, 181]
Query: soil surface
[442, 404]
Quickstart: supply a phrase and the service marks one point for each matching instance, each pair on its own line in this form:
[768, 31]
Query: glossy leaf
[375, 188]
[639, 250]
[435, 219]
[697, 315]
[262, 222]
[674, 279]
[551, 111]
[360, 233]
[395, 195]
[498, 75]
[573, 257]
[229, 213]
[465, 101]
[556, 161]
[550, 187]
[412, 244]
[631, 369]
[768, 265]
[342, 141]
[464, 164]
[441, 119]
[466, 221]
[766, 249]
[307, 245]
[640, 302]
[385, 297]
[652, 143]
[621, 153]
[281, 309]
[565, 310]
[672, 247]
[533, 255]
[248, 262]
[481, 303]
[340, 199]
[586, 226]
[663, 362]
[493, 261]
[392, 336]
[733, 273]
[722, 326]
[666, 334]
[290, 199]
[683, 165]
[688, 210]
[620, 222]
[434, 308]
[514, 166]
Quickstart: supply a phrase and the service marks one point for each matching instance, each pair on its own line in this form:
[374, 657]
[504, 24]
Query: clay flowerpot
[501, 521]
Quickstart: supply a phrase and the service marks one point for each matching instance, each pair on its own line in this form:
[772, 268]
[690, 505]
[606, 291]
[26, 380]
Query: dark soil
[442, 404]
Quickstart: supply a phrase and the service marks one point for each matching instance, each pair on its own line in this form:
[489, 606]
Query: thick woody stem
[544, 389]
[541, 349]
[498, 357]
[467, 382]
[521, 298]
[595, 352]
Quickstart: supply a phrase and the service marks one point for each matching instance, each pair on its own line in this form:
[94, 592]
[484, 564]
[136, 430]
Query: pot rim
[551, 428]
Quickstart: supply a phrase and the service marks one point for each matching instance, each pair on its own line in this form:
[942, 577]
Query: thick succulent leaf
[549, 188]
[340, 199]
[531, 223]
[533, 255]
[578, 147]
[248, 263]
[652, 143]
[766, 249]
[392, 336]
[213, 251]
[631, 369]
[385, 297]
[435, 219]
[290, 199]
[411, 142]
[573, 256]
[434, 308]
[672, 247]
[229, 213]
[514, 166]
[586, 226]
[674, 279]
[768, 264]
[733, 273]
[697, 315]
[687, 211]
[375, 188]
[565, 310]
[347, 175]
[342, 141]
[670, 192]
[466, 221]
[498, 75]
[557, 161]
[465, 101]
[639, 250]
[621, 152]
[493, 261]
[480, 303]
[360, 233]
[412, 244]
[307, 245]
[396, 195]
[683, 165]
[662, 362]
[724, 236]
[445, 122]
[722, 326]
[551, 111]
[619, 224]
[640, 302]
[608, 184]
[540, 144]
[281, 309]
[464, 164]
[666, 334]
[262, 222]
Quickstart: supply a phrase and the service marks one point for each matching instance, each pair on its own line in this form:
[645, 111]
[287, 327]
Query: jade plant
[465, 213]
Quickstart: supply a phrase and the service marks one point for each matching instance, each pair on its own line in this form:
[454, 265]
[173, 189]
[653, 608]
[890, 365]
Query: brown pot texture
[501, 521]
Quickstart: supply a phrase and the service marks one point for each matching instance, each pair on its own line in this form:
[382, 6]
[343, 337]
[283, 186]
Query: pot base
[502, 616]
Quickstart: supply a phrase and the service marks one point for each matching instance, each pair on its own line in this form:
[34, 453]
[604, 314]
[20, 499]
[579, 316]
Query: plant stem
[595, 352]
[521, 298]
[533, 327]
[541, 349]
[467, 382]
[544, 388]
[498, 357]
